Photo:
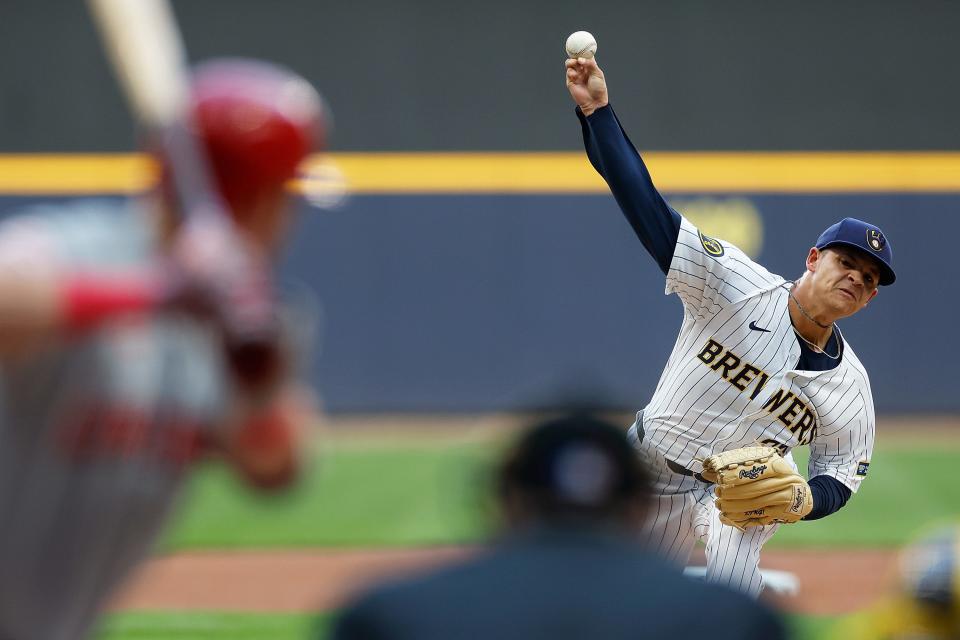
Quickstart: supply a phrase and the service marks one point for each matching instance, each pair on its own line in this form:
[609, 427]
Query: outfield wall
[500, 298]
[497, 302]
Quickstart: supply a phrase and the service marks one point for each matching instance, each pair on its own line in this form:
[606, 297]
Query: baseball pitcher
[759, 367]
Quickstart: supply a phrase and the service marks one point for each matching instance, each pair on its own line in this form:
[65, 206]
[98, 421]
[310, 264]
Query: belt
[673, 466]
[676, 468]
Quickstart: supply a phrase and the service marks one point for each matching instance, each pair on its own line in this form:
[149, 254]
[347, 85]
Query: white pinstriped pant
[683, 511]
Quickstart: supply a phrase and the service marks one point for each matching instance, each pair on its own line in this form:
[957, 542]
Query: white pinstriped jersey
[730, 380]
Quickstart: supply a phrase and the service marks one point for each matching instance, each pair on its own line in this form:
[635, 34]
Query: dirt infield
[831, 582]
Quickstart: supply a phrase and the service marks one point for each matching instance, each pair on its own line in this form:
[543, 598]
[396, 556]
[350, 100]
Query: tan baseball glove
[756, 487]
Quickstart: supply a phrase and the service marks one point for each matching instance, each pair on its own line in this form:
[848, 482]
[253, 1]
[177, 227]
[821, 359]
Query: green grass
[169, 625]
[434, 493]
[907, 487]
[811, 627]
[177, 625]
[350, 497]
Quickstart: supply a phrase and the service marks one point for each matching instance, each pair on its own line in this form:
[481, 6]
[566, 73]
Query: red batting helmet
[258, 122]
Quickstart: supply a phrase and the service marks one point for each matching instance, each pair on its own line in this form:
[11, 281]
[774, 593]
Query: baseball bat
[145, 49]
[144, 46]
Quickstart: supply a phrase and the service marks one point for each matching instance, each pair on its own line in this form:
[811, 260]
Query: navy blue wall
[496, 302]
[478, 303]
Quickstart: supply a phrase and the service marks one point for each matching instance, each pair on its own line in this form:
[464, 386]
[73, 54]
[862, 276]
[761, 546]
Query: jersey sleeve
[842, 447]
[616, 159]
[27, 247]
[708, 274]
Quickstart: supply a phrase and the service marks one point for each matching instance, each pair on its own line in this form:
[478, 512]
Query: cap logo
[875, 239]
[711, 246]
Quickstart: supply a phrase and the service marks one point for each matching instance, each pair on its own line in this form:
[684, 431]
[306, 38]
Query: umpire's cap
[258, 121]
[867, 238]
[575, 463]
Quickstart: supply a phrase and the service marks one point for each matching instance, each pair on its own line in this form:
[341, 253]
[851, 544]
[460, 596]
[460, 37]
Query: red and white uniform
[96, 431]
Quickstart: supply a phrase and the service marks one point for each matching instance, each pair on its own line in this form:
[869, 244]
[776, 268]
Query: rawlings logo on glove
[752, 474]
[756, 487]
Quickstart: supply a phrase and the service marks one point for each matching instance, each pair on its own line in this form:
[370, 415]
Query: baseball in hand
[580, 44]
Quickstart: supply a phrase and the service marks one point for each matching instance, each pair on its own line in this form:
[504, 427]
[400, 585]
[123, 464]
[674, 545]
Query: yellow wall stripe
[533, 172]
[75, 173]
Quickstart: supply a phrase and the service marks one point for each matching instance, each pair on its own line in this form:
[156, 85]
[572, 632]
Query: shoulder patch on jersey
[862, 468]
[710, 245]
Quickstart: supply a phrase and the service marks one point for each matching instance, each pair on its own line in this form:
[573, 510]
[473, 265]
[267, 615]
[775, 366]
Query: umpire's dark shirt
[552, 585]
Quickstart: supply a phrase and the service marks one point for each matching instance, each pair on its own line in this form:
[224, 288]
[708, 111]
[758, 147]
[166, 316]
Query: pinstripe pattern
[728, 385]
[733, 556]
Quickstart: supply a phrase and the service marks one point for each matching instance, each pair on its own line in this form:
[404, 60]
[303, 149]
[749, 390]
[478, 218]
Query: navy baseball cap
[861, 235]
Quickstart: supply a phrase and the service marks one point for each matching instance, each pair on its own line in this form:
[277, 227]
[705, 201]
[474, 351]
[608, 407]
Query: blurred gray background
[442, 75]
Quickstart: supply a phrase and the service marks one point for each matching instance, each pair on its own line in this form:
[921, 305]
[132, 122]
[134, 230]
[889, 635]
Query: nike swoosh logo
[753, 325]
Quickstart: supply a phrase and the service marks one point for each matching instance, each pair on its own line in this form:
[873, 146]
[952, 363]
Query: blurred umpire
[573, 496]
[117, 368]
